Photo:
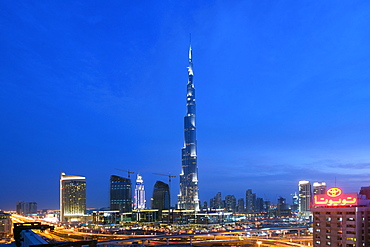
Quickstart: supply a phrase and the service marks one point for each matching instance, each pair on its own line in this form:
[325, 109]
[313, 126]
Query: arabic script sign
[335, 197]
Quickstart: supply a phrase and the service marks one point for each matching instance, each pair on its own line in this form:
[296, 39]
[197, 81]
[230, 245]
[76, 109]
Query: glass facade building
[188, 196]
[161, 196]
[120, 194]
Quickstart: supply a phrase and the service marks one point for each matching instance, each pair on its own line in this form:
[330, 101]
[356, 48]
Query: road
[233, 237]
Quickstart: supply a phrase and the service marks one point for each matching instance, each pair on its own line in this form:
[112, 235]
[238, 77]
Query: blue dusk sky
[282, 90]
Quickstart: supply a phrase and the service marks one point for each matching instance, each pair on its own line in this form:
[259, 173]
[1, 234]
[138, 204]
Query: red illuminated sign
[335, 197]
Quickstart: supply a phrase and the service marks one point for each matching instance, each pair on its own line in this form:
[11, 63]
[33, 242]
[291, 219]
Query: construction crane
[128, 172]
[167, 175]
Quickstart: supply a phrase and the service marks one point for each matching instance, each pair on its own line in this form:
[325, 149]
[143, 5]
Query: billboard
[335, 197]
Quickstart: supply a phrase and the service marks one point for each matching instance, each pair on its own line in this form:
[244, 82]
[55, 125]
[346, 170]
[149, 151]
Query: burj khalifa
[188, 197]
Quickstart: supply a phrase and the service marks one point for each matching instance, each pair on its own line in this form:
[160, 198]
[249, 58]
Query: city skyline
[282, 92]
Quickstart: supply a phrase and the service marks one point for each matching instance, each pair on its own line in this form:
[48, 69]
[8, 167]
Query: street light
[259, 243]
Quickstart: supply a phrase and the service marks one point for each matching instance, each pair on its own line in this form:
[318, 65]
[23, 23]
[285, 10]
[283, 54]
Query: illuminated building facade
[305, 195]
[72, 197]
[120, 194]
[341, 219]
[5, 225]
[188, 196]
[139, 193]
[295, 200]
[319, 188]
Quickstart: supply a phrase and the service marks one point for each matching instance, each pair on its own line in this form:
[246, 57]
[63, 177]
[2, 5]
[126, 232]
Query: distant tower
[305, 196]
[259, 205]
[241, 209]
[139, 193]
[120, 194]
[161, 196]
[188, 197]
[295, 200]
[319, 188]
[216, 202]
[250, 201]
[230, 203]
[72, 197]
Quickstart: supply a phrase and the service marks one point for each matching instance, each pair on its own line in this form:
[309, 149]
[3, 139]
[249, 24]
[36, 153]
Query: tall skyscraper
[230, 203]
[161, 196]
[139, 193]
[250, 201]
[72, 197]
[188, 197]
[241, 209]
[259, 205]
[305, 196]
[216, 202]
[319, 188]
[26, 208]
[120, 194]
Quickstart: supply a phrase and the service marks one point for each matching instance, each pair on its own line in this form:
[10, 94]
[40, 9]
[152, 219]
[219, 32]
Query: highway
[230, 237]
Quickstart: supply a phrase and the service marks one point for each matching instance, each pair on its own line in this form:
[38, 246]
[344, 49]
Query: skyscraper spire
[188, 197]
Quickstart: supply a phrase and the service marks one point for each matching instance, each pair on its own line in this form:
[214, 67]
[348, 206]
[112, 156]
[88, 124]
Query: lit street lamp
[259, 243]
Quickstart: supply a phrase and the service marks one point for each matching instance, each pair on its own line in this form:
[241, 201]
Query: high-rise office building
[161, 196]
[341, 219]
[120, 194]
[319, 188]
[259, 205]
[188, 196]
[139, 193]
[26, 208]
[241, 209]
[72, 197]
[250, 201]
[230, 203]
[305, 196]
[216, 202]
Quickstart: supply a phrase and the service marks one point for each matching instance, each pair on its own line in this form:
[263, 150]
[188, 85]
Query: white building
[305, 196]
[139, 199]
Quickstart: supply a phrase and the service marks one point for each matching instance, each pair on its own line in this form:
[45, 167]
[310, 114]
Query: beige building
[72, 198]
[342, 220]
